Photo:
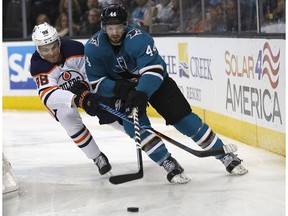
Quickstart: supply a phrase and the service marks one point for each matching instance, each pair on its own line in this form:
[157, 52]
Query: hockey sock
[84, 140]
[155, 148]
[151, 144]
[193, 127]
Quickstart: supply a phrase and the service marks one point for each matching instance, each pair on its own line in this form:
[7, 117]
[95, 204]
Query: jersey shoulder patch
[133, 33]
[94, 39]
[96, 46]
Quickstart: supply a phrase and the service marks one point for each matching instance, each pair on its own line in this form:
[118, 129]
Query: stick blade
[119, 179]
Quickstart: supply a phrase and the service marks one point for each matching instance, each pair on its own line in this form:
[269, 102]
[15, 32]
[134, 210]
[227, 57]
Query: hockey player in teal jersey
[119, 54]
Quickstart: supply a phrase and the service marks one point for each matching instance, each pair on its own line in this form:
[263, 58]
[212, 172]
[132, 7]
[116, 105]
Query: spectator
[248, 15]
[164, 12]
[140, 14]
[76, 10]
[106, 2]
[274, 19]
[195, 24]
[92, 25]
[62, 26]
[39, 7]
[175, 20]
[83, 6]
[90, 4]
[220, 19]
[41, 18]
[232, 16]
[12, 19]
[129, 5]
[215, 21]
[279, 11]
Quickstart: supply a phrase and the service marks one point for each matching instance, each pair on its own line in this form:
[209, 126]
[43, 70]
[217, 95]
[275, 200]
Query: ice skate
[175, 171]
[103, 164]
[233, 164]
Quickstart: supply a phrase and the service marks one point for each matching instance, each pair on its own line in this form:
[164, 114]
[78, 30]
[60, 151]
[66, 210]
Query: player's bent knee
[155, 149]
[169, 102]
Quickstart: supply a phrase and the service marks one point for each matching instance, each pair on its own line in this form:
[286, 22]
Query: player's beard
[115, 40]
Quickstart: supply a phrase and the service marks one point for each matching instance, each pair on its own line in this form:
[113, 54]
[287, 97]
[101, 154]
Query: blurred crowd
[154, 16]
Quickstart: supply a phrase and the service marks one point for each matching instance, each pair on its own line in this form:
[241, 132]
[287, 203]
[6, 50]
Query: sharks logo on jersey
[68, 78]
[122, 69]
[122, 66]
[133, 33]
[95, 40]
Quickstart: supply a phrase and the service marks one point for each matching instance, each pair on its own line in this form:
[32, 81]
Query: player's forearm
[105, 87]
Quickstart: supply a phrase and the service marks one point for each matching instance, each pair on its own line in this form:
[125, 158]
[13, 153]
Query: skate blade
[239, 170]
[108, 174]
[180, 179]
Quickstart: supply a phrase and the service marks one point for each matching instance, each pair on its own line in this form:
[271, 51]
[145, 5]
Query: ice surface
[56, 178]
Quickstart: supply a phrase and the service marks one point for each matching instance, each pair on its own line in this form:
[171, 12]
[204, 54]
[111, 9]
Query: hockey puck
[132, 209]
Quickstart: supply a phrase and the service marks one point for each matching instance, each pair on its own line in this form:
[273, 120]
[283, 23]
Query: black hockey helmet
[114, 14]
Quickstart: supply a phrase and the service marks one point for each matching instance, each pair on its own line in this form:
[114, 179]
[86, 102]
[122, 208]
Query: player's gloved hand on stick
[85, 99]
[80, 86]
[123, 87]
[89, 102]
[136, 99]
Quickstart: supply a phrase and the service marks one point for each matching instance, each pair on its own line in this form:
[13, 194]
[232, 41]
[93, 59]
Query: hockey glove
[136, 99]
[89, 102]
[80, 86]
[123, 87]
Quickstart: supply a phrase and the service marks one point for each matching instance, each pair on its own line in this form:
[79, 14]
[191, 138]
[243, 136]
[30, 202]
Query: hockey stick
[132, 176]
[206, 153]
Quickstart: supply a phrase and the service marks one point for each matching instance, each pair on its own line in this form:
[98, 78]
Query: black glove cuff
[136, 99]
[123, 87]
[79, 86]
[81, 99]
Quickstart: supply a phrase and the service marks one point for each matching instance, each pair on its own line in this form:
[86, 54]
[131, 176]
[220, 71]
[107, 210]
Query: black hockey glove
[123, 87]
[80, 86]
[89, 102]
[136, 99]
